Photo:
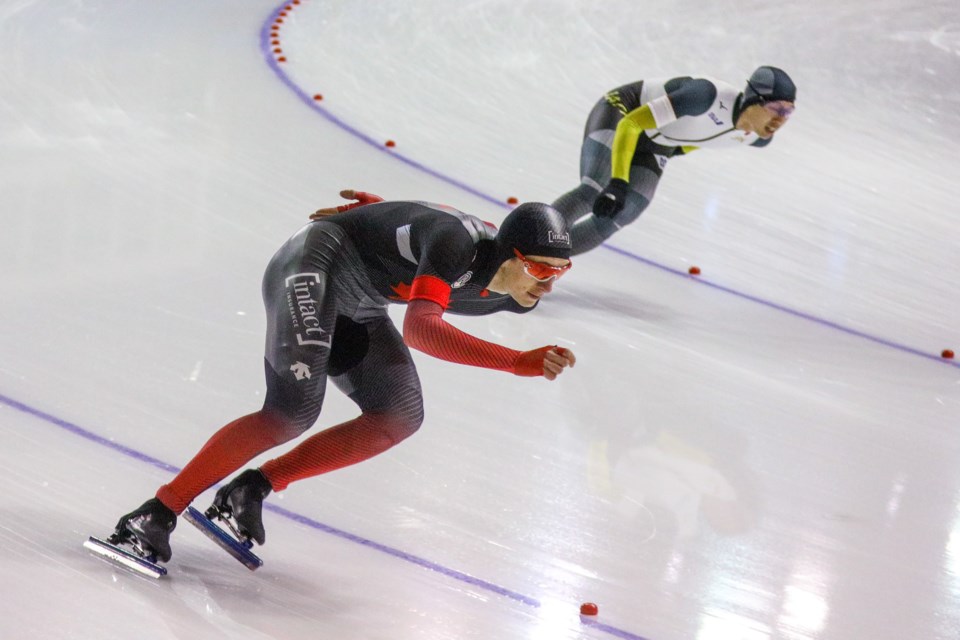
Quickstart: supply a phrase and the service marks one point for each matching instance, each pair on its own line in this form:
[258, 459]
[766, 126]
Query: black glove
[610, 201]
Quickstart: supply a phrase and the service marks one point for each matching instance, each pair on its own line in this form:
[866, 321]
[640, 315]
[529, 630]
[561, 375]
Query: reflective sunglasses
[780, 108]
[541, 271]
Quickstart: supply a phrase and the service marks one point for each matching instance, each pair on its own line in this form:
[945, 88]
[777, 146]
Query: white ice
[768, 451]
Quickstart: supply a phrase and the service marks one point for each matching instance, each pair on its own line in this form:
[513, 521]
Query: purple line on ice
[319, 526]
[310, 102]
[788, 310]
[77, 430]
[403, 555]
[83, 433]
[307, 99]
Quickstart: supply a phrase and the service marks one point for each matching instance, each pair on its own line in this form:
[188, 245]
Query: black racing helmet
[769, 84]
[533, 229]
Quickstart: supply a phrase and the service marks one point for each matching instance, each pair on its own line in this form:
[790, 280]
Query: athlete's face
[514, 279]
[765, 119]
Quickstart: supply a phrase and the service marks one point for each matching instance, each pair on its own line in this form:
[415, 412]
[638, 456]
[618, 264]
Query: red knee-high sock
[229, 449]
[340, 446]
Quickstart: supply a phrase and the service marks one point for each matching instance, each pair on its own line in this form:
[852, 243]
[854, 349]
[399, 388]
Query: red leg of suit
[226, 451]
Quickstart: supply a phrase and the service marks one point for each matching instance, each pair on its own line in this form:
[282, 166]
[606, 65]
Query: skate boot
[147, 529]
[242, 500]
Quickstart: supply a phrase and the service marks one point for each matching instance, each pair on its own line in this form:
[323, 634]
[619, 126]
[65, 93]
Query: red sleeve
[425, 330]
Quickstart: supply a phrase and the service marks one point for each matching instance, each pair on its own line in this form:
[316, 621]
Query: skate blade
[125, 559]
[226, 541]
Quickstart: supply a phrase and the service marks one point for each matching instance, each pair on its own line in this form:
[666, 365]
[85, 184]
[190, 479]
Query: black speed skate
[242, 500]
[147, 532]
[148, 529]
[239, 506]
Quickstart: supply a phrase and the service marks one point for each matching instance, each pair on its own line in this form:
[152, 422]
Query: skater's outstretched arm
[425, 329]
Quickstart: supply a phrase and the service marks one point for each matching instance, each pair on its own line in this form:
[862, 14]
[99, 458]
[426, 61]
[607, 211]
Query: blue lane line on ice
[307, 99]
[788, 310]
[77, 430]
[89, 435]
[310, 102]
[86, 434]
[403, 555]
[142, 457]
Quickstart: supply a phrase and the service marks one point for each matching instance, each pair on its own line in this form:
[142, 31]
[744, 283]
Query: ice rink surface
[770, 450]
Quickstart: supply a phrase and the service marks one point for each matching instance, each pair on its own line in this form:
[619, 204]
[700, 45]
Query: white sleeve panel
[662, 111]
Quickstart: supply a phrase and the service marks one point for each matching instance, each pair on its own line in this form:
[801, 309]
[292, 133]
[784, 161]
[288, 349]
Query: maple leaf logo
[402, 289]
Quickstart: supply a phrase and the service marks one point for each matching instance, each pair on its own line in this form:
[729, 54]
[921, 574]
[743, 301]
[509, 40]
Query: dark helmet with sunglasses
[772, 88]
[535, 229]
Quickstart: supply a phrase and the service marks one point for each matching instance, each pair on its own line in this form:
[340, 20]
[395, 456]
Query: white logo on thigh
[304, 309]
[300, 370]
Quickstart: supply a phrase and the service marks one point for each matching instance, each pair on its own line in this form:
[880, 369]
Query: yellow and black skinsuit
[632, 132]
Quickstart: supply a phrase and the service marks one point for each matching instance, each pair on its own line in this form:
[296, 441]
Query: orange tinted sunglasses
[541, 271]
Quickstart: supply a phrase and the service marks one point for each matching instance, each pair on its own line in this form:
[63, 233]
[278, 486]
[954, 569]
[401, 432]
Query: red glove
[549, 361]
[362, 198]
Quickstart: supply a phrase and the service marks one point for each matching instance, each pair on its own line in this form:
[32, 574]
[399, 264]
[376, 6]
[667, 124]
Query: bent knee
[407, 424]
[400, 425]
[285, 425]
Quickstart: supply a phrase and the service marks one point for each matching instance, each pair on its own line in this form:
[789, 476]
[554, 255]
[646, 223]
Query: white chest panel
[714, 128]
